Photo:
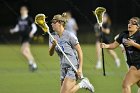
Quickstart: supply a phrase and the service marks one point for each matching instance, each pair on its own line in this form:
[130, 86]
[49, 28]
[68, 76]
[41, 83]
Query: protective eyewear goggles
[133, 22]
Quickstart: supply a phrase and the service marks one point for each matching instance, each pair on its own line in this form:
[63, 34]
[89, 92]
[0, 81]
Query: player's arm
[33, 26]
[80, 56]
[15, 29]
[51, 49]
[131, 42]
[113, 45]
[136, 45]
[34, 29]
[76, 45]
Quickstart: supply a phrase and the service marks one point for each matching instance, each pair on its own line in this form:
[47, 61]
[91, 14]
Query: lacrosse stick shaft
[64, 54]
[99, 12]
[101, 40]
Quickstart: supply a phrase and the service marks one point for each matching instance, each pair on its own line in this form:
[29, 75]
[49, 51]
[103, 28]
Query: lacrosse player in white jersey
[71, 47]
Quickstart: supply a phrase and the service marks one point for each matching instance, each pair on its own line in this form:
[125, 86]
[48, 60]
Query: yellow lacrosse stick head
[99, 12]
[40, 21]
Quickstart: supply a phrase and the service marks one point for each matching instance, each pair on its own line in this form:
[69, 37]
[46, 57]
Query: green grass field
[16, 78]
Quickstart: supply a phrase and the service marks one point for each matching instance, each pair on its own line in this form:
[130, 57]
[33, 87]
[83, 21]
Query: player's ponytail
[64, 14]
[64, 18]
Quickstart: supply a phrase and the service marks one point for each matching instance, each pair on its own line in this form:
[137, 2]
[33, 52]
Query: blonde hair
[61, 19]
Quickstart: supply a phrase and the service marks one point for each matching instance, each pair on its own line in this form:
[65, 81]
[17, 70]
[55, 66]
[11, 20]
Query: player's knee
[24, 51]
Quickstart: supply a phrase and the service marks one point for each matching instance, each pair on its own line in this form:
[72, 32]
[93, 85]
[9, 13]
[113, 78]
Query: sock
[30, 62]
[80, 85]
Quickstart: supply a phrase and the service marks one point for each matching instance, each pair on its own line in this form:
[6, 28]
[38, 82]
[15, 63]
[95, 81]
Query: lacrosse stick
[99, 13]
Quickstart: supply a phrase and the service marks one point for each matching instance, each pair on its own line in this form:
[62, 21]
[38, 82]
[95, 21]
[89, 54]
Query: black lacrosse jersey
[106, 37]
[25, 26]
[133, 54]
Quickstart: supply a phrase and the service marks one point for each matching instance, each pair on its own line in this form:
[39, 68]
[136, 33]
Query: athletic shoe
[32, 68]
[86, 84]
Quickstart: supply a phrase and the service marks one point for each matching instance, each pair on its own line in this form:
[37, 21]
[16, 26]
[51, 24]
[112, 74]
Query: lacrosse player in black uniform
[106, 39]
[26, 28]
[131, 42]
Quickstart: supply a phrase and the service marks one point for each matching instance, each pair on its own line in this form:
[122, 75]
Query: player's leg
[25, 49]
[115, 57]
[69, 84]
[68, 80]
[131, 78]
[98, 53]
[83, 84]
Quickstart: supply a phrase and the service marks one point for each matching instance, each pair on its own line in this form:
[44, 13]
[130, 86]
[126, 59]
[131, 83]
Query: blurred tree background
[120, 11]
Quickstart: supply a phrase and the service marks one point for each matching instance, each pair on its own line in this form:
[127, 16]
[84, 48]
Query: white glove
[12, 31]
